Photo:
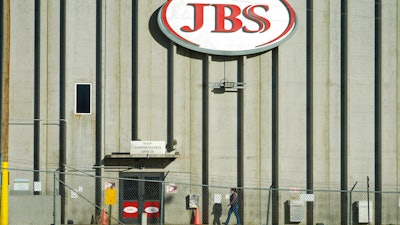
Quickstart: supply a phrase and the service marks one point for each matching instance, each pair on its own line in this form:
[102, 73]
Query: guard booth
[140, 193]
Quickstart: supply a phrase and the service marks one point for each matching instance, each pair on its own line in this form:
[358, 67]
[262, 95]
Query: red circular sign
[227, 27]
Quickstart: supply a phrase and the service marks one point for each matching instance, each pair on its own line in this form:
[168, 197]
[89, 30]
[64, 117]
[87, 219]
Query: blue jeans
[234, 209]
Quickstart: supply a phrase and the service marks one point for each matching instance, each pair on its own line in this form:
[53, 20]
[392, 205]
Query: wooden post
[5, 112]
[5, 81]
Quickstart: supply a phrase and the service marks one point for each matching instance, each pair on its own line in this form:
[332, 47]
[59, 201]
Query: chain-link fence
[31, 201]
[81, 197]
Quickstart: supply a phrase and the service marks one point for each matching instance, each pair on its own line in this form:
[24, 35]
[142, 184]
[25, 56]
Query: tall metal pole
[62, 132]
[99, 105]
[5, 112]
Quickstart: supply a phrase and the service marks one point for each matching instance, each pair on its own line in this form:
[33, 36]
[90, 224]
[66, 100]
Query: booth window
[83, 98]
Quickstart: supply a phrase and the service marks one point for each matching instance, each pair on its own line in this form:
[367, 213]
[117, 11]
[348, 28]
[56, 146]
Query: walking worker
[234, 206]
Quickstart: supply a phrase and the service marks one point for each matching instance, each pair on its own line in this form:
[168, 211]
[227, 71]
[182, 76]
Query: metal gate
[140, 193]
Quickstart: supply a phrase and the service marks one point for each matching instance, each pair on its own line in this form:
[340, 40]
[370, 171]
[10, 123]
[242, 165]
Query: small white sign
[109, 184]
[147, 147]
[218, 198]
[37, 186]
[74, 194]
[21, 184]
[171, 188]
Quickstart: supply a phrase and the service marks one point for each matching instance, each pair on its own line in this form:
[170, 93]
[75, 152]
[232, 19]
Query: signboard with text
[147, 147]
[227, 27]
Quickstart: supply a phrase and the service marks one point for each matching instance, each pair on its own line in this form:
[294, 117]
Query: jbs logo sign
[221, 16]
[227, 27]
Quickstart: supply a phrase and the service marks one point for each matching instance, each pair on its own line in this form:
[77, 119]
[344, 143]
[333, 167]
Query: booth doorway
[140, 193]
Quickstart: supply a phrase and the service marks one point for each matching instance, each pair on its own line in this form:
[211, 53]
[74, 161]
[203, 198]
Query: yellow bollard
[4, 194]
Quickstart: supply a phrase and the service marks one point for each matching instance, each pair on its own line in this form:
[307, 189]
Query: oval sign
[151, 209]
[130, 209]
[227, 27]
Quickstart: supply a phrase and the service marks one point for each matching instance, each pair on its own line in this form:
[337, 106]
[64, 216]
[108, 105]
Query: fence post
[54, 199]
[368, 196]
[351, 206]
[269, 200]
[350, 209]
[162, 202]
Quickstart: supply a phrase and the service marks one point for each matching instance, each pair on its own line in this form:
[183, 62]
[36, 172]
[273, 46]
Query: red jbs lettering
[221, 16]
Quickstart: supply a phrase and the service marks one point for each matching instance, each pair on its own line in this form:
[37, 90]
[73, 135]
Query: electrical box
[362, 212]
[294, 211]
[192, 201]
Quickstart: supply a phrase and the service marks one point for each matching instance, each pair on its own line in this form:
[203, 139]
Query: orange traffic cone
[197, 217]
[104, 217]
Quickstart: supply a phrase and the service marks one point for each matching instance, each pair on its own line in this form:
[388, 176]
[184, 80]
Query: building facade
[320, 111]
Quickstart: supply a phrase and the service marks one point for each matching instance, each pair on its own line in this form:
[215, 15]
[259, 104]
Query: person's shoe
[224, 223]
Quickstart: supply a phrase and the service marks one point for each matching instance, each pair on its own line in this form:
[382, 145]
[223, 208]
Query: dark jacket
[233, 200]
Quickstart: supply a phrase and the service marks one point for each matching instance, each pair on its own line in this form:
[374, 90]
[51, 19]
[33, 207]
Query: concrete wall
[157, 57]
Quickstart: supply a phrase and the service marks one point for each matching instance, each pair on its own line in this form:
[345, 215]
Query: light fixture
[227, 85]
